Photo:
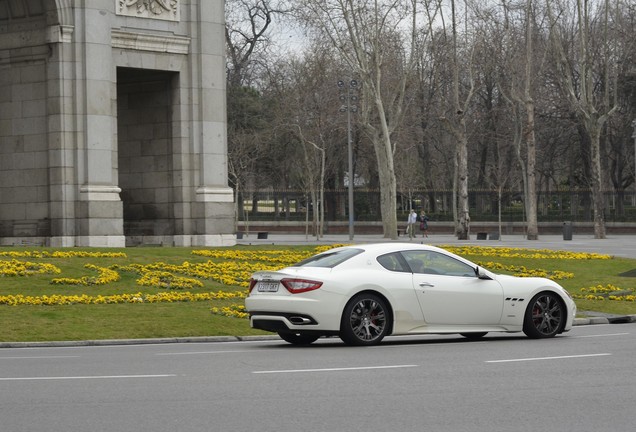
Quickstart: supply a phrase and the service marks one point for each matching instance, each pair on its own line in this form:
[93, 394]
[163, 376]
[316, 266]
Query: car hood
[515, 284]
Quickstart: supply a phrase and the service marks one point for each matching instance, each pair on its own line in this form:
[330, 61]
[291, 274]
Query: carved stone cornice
[154, 9]
[150, 42]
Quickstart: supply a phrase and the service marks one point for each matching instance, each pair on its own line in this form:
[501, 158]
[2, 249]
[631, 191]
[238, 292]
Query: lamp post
[634, 136]
[349, 99]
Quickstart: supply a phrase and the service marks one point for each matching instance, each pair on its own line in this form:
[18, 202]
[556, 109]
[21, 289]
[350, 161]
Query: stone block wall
[23, 145]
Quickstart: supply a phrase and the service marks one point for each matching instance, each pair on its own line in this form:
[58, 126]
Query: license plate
[267, 286]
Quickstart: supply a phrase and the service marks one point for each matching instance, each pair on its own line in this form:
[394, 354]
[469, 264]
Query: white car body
[466, 299]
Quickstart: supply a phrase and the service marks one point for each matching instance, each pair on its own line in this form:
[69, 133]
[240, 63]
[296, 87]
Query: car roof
[394, 247]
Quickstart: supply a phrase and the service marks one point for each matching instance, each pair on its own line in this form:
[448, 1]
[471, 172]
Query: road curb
[614, 319]
[111, 342]
[619, 319]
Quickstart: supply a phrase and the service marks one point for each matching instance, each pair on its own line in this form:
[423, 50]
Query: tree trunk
[531, 197]
[458, 129]
[388, 186]
[531, 145]
[463, 229]
[596, 184]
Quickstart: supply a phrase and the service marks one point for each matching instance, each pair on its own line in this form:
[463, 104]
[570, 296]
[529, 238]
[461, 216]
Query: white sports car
[363, 293]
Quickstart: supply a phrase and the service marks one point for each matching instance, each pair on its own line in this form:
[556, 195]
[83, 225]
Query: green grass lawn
[57, 322]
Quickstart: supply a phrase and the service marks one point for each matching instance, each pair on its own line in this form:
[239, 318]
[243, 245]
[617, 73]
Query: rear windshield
[329, 259]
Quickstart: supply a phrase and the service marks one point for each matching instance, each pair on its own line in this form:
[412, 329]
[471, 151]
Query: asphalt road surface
[581, 381]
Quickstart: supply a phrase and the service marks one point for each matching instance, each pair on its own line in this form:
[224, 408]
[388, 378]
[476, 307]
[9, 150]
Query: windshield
[329, 259]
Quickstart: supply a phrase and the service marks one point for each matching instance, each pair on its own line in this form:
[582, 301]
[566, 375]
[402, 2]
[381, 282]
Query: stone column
[100, 210]
[62, 135]
[214, 209]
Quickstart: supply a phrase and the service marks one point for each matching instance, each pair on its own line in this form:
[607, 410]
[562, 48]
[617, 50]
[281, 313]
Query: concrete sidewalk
[616, 245]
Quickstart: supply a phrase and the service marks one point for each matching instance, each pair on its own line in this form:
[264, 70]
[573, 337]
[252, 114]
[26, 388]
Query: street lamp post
[634, 136]
[349, 99]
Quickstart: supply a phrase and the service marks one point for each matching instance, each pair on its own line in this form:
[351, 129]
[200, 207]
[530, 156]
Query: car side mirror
[480, 273]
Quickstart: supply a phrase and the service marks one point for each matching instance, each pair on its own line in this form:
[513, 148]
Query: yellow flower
[26, 268]
[106, 276]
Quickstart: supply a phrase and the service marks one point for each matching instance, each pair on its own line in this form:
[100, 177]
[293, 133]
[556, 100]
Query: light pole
[349, 99]
[634, 136]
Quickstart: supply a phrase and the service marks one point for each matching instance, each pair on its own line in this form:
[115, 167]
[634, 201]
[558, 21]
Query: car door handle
[426, 284]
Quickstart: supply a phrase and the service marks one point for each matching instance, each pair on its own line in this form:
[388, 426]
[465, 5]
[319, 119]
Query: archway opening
[145, 110]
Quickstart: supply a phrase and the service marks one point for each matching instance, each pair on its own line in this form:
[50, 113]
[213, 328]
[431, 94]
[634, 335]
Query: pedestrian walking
[410, 224]
[423, 223]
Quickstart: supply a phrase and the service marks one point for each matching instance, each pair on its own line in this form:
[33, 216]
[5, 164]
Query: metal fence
[553, 206]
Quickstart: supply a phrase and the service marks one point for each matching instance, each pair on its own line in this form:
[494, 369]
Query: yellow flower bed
[106, 276]
[26, 268]
[165, 279]
[607, 292]
[164, 297]
[234, 310]
[62, 254]
[272, 257]
[522, 271]
[228, 273]
[234, 268]
[524, 253]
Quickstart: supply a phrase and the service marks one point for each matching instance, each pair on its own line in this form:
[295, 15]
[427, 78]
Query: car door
[450, 293]
[397, 278]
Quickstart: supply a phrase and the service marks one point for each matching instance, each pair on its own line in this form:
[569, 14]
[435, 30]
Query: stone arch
[60, 146]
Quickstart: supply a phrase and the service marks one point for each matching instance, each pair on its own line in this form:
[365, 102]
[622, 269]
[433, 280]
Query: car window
[393, 262]
[329, 259]
[431, 262]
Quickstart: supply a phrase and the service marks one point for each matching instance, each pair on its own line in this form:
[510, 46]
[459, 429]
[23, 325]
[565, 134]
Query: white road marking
[334, 369]
[37, 357]
[601, 335]
[203, 352]
[547, 358]
[86, 377]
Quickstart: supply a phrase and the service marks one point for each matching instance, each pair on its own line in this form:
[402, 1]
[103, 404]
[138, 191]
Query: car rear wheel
[474, 336]
[365, 320]
[298, 338]
[545, 316]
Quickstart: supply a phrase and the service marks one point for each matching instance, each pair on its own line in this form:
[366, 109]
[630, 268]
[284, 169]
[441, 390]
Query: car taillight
[252, 285]
[296, 286]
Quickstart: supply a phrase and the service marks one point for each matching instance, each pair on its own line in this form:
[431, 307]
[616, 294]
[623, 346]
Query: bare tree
[455, 122]
[517, 63]
[529, 173]
[592, 105]
[367, 35]
[248, 23]
[247, 39]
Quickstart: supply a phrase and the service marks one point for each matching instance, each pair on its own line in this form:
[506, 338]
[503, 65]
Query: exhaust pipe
[297, 320]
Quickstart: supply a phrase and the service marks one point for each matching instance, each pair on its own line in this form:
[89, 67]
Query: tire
[474, 336]
[545, 316]
[298, 338]
[365, 320]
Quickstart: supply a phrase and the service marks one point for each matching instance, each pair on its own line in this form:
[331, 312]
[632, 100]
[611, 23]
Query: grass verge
[173, 307]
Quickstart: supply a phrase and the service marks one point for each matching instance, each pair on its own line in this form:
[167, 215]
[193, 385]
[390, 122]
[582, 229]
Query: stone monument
[113, 123]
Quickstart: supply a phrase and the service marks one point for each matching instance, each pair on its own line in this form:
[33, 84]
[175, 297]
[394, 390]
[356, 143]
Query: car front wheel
[365, 320]
[545, 316]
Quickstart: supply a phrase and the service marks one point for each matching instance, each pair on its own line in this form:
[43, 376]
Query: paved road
[617, 245]
[580, 381]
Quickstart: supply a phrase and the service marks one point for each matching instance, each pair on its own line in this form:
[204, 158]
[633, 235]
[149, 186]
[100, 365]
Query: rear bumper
[280, 321]
[286, 322]
[295, 313]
